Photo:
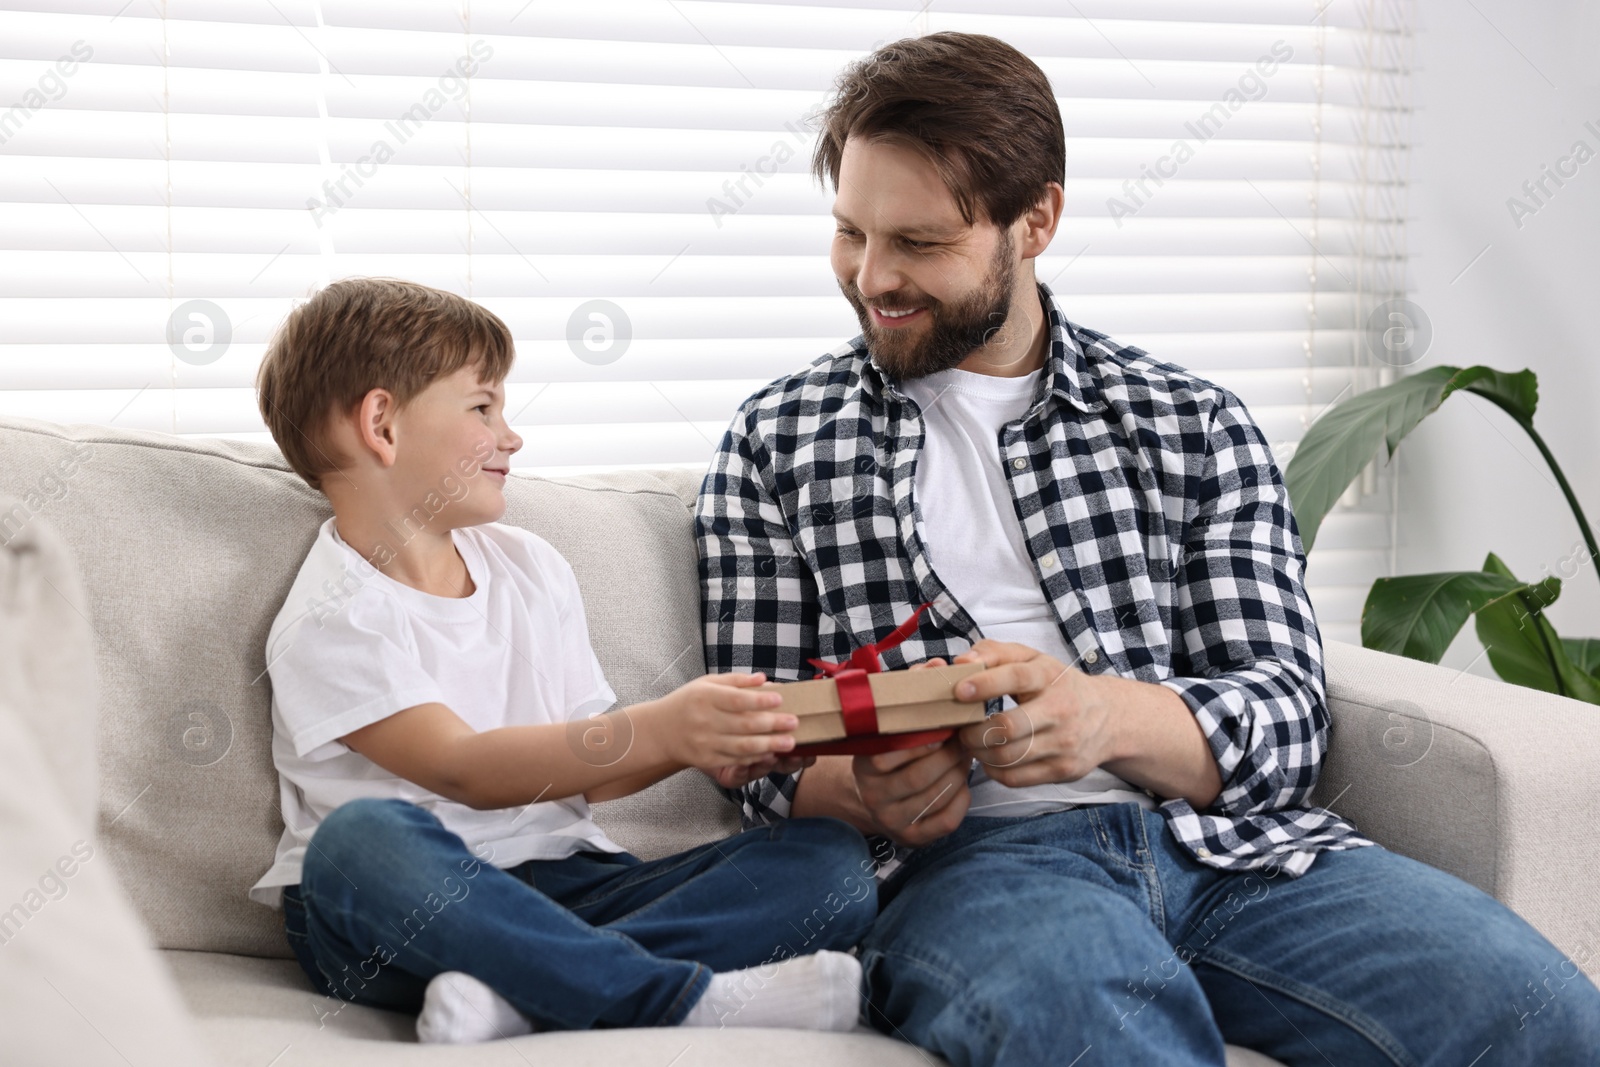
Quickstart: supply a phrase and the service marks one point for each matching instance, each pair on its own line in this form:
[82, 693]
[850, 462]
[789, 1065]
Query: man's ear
[375, 425]
[1038, 224]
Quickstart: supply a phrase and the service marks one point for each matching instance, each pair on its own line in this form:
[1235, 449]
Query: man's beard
[955, 329]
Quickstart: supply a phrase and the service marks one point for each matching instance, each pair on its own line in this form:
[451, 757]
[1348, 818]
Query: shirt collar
[1066, 364]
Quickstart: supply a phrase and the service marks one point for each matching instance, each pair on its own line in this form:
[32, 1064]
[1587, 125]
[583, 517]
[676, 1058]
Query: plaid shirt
[1180, 564]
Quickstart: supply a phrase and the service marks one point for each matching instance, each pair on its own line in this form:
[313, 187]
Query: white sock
[457, 1009]
[821, 991]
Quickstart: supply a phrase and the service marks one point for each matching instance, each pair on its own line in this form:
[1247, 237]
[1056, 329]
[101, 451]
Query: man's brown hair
[361, 334]
[980, 111]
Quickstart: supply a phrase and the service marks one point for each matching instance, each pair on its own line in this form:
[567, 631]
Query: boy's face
[453, 442]
[902, 245]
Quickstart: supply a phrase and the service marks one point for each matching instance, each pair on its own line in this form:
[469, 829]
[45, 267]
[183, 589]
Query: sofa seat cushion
[251, 1010]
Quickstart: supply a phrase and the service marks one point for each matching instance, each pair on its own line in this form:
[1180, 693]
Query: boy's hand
[716, 721]
[736, 776]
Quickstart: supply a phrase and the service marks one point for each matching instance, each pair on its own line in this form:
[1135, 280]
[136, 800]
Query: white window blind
[1234, 199]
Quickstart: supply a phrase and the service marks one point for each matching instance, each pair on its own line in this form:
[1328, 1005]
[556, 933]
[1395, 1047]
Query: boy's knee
[368, 814]
[839, 869]
[833, 839]
[366, 823]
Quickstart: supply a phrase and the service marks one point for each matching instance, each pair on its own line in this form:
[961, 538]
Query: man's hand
[1060, 730]
[914, 795]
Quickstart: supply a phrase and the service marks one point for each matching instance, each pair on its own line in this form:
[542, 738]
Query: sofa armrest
[1494, 783]
[47, 653]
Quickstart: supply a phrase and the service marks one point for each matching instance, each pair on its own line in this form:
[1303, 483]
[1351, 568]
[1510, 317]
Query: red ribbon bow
[855, 691]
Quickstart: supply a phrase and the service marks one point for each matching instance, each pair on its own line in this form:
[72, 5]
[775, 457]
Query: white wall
[1488, 118]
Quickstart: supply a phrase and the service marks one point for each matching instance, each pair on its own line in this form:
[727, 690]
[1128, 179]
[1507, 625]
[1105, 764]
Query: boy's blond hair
[360, 334]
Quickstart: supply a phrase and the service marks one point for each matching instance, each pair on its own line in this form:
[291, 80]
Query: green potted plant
[1419, 615]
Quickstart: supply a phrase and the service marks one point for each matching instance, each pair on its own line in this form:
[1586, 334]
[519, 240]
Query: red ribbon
[855, 691]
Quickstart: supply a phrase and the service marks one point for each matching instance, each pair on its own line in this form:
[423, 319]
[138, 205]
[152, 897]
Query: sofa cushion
[251, 1010]
[187, 549]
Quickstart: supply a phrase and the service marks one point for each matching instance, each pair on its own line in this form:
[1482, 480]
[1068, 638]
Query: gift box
[909, 708]
[858, 708]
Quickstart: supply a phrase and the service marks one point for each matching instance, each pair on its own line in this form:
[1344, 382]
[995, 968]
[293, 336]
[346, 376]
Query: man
[1119, 864]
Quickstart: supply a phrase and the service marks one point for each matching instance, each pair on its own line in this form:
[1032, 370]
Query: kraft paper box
[907, 701]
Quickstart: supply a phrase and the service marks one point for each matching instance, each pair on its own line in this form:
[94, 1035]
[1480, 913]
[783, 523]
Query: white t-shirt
[970, 530]
[352, 645]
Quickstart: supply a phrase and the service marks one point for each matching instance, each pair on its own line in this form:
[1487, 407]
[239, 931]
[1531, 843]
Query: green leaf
[1517, 394]
[1343, 441]
[1510, 632]
[1523, 647]
[1584, 652]
[1418, 615]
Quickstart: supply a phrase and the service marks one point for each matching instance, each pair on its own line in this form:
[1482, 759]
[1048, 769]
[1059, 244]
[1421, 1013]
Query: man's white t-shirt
[352, 646]
[970, 530]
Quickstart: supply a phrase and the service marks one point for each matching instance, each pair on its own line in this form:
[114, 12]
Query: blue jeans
[388, 898]
[1036, 940]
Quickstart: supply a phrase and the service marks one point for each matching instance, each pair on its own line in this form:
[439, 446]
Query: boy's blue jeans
[1090, 937]
[388, 898]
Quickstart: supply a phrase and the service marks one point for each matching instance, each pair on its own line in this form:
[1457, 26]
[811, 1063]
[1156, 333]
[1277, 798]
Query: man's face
[928, 288]
[454, 443]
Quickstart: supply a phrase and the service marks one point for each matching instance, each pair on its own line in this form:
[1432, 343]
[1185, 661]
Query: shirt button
[1203, 853]
[1091, 657]
[1048, 561]
[1018, 464]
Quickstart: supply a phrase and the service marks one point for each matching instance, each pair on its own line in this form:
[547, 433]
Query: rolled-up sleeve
[1245, 623]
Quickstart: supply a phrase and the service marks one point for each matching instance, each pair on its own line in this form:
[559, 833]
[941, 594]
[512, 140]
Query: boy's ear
[375, 425]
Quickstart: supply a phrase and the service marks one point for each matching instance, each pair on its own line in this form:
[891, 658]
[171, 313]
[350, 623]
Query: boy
[432, 674]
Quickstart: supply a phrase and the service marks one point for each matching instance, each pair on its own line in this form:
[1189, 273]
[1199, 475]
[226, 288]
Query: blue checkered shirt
[1180, 564]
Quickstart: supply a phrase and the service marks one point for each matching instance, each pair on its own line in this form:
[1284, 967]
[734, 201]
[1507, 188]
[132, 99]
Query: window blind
[625, 184]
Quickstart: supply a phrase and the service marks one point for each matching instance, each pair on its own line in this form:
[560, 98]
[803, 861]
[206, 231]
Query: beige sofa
[185, 549]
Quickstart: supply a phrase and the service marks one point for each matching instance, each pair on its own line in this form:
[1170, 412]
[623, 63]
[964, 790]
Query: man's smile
[895, 318]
